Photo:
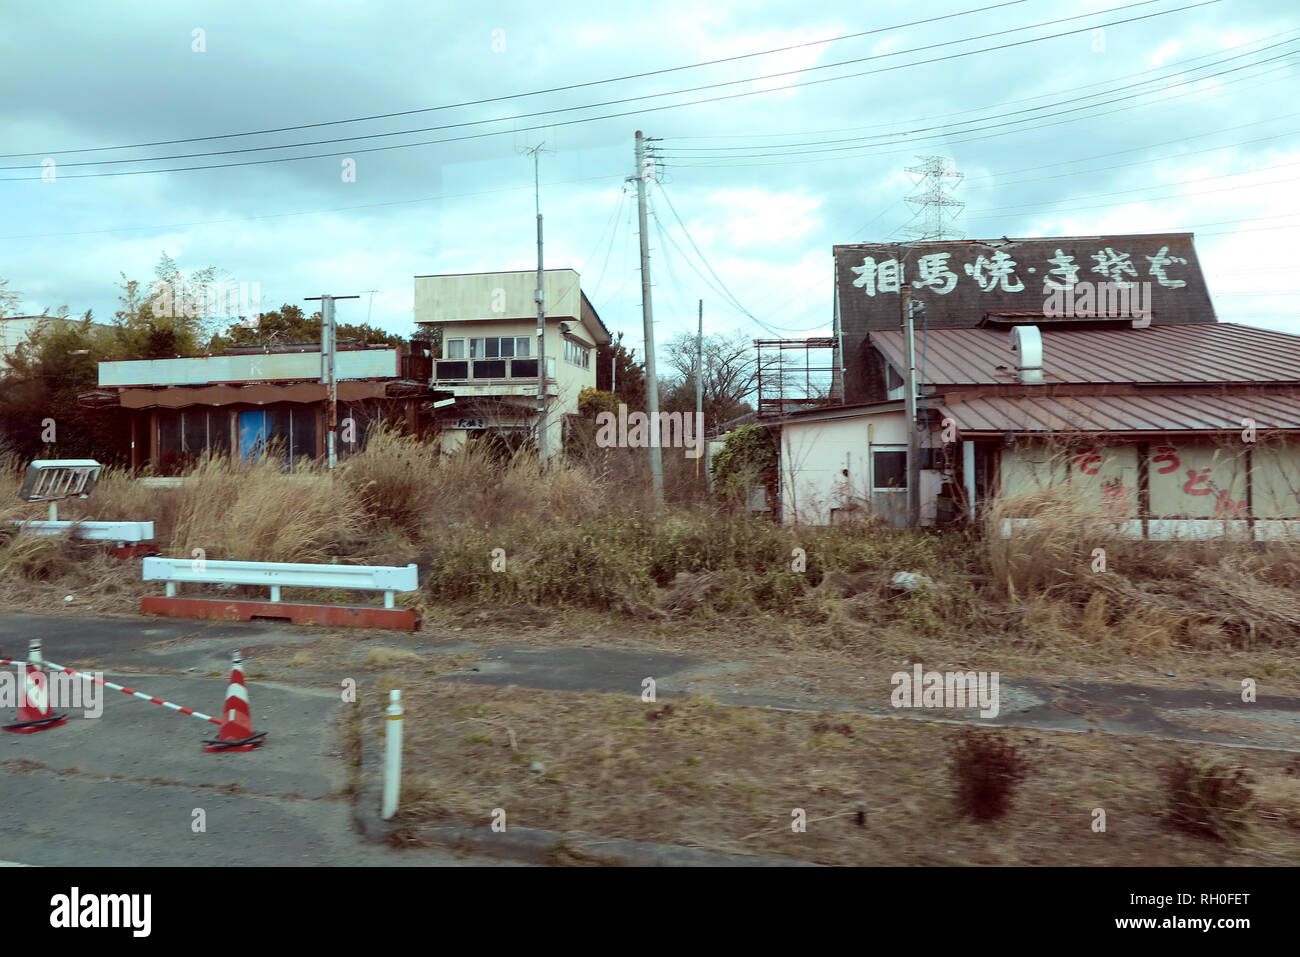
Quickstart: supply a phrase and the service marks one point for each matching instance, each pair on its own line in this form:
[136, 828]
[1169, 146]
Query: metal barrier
[277, 575]
[94, 531]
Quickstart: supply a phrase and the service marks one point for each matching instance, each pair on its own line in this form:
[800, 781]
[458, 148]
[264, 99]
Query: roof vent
[1027, 342]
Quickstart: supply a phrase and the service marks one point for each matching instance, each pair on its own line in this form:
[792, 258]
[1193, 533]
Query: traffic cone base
[37, 724]
[244, 744]
[34, 712]
[237, 732]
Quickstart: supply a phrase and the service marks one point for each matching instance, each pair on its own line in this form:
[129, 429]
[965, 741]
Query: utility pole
[699, 386]
[909, 384]
[644, 170]
[539, 296]
[328, 371]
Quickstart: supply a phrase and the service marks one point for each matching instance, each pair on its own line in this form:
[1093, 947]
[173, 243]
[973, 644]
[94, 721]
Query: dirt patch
[734, 779]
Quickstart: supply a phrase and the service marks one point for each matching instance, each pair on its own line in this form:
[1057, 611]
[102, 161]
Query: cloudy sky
[784, 128]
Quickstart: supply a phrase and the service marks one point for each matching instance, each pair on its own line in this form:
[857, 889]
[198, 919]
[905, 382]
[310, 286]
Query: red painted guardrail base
[299, 613]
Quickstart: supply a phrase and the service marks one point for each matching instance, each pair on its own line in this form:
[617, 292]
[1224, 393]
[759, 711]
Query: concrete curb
[526, 844]
[535, 846]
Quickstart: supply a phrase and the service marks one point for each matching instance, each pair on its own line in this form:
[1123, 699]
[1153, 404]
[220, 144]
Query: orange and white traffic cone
[34, 712]
[237, 719]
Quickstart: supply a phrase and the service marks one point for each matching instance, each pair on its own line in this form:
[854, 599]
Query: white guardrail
[276, 575]
[93, 531]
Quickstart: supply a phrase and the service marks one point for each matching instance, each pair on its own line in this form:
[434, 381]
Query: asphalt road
[133, 786]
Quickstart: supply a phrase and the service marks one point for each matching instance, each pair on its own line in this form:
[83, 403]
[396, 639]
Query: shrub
[1207, 799]
[393, 480]
[987, 769]
[746, 461]
[254, 511]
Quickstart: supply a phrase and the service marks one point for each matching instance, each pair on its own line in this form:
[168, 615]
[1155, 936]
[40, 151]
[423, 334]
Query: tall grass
[1071, 560]
[585, 533]
[255, 511]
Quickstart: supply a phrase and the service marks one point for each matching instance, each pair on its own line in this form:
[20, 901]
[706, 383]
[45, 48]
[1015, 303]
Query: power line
[313, 212]
[789, 149]
[516, 96]
[1144, 189]
[921, 142]
[946, 131]
[648, 109]
[938, 116]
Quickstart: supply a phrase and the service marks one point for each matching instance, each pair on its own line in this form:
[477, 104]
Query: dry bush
[28, 557]
[1227, 591]
[1207, 799]
[567, 491]
[119, 496]
[390, 657]
[393, 480]
[987, 769]
[255, 511]
[1056, 548]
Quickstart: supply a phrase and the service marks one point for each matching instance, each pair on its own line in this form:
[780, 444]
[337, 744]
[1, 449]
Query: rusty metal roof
[1199, 353]
[1151, 412]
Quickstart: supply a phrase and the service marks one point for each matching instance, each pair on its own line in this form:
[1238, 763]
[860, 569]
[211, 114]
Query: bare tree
[730, 373]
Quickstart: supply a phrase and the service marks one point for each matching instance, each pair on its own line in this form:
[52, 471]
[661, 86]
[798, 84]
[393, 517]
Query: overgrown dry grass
[1073, 565]
[577, 543]
[699, 773]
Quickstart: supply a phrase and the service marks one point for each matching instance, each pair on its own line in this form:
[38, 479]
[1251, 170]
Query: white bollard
[392, 754]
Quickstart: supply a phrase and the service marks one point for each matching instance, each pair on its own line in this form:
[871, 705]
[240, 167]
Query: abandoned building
[1096, 361]
[488, 328]
[247, 400]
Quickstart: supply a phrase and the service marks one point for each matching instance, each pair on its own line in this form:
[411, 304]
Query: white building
[13, 330]
[488, 323]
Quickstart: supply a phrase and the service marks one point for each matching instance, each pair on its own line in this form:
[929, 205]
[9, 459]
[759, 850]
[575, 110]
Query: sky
[780, 129]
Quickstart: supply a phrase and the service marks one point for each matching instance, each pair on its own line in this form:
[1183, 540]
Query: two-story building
[489, 362]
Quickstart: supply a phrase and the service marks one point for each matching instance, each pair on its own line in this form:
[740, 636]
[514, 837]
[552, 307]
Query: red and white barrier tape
[116, 687]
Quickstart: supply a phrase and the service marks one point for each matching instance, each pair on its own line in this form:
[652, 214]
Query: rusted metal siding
[1200, 354]
[1126, 412]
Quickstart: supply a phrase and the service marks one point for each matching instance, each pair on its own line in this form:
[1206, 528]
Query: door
[254, 431]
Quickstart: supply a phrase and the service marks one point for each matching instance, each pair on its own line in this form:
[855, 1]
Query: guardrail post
[388, 600]
[392, 754]
[171, 589]
[275, 593]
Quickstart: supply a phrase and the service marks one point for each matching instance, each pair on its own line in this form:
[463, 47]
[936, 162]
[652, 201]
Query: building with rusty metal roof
[1092, 360]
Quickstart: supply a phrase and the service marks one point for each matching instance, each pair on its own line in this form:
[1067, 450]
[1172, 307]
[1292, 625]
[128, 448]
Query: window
[577, 354]
[492, 347]
[889, 470]
[455, 349]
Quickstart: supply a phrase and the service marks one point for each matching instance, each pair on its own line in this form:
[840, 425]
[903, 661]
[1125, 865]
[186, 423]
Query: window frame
[888, 449]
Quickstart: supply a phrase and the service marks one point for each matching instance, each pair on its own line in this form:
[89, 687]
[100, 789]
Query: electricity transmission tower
[935, 173]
